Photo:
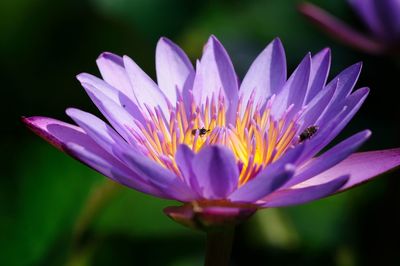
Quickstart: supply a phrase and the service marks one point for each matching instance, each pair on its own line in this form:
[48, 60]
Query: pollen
[255, 137]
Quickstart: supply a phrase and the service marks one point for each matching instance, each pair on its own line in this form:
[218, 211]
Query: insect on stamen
[308, 133]
[202, 131]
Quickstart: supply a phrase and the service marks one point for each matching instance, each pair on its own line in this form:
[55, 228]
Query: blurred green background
[46, 216]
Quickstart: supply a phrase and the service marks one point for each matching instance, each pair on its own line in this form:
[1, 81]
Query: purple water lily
[381, 17]
[224, 148]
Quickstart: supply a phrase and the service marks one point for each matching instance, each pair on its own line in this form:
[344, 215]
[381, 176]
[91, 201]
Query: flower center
[255, 137]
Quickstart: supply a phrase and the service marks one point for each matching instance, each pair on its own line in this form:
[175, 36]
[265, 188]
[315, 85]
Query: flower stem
[219, 246]
[82, 249]
[98, 198]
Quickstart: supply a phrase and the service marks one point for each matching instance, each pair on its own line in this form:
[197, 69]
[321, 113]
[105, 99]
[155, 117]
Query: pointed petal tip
[83, 77]
[213, 37]
[367, 132]
[326, 51]
[25, 119]
[341, 181]
[53, 131]
[31, 122]
[308, 57]
[106, 55]
[365, 90]
[357, 66]
[80, 75]
[306, 60]
[72, 111]
[127, 59]
[211, 41]
[164, 40]
[34, 121]
[278, 42]
[365, 135]
[214, 40]
[305, 193]
[361, 93]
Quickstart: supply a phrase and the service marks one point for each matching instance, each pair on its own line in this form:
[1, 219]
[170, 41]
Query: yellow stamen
[255, 138]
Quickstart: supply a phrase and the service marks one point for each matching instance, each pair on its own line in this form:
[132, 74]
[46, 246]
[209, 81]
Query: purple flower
[224, 148]
[381, 17]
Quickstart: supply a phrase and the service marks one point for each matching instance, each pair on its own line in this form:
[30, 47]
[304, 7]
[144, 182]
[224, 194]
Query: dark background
[43, 193]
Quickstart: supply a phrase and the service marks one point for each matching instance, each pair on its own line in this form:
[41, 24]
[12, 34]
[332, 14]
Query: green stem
[82, 249]
[98, 198]
[219, 247]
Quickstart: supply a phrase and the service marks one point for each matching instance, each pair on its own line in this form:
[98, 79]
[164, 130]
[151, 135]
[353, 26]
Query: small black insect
[308, 133]
[202, 131]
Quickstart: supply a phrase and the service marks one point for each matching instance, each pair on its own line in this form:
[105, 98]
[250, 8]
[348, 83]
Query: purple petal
[184, 158]
[330, 158]
[340, 118]
[99, 131]
[144, 88]
[216, 171]
[346, 81]
[74, 141]
[269, 179]
[294, 90]
[173, 68]
[367, 10]
[361, 167]
[113, 169]
[118, 117]
[339, 30]
[158, 176]
[214, 73]
[344, 84]
[381, 16]
[56, 132]
[317, 106]
[320, 65]
[389, 11]
[115, 95]
[352, 105]
[112, 70]
[266, 75]
[301, 195]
